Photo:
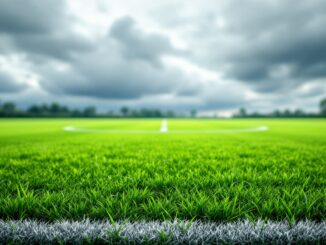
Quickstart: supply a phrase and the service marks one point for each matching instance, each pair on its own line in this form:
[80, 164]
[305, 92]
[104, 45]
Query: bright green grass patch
[47, 173]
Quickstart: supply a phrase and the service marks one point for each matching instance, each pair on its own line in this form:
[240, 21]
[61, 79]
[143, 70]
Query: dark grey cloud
[52, 45]
[112, 79]
[40, 29]
[256, 38]
[30, 16]
[137, 44]
[109, 72]
[302, 51]
[9, 85]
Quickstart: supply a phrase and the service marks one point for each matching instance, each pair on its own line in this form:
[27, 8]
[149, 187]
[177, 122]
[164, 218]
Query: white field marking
[164, 129]
[110, 131]
[221, 131]
[177, 232]
[164, 126]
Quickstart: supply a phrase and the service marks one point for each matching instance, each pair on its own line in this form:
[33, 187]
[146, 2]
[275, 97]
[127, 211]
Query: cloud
[260, 54]
[52, 45]
[9, 84]
[111, 73]
[30, 16]
[40, 28]
[111, 79]
[258, 37]
[138, 44]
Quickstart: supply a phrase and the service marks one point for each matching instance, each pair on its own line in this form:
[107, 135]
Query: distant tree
[89, 111]
[34, 109]
[144, 113]
[76, 113]
[9, 108]
[64, 110]
[110, 113]
[322, 106]
[276, 113]
[170, 114]
[287, 113]
[193, 113]
[124, 110]
[242, 112]
[45, 109]
[134, 113]
[256, 114]
[298, 113]
[55, 108]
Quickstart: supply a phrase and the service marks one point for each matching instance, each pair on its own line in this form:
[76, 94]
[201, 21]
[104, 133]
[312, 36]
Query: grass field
[47, 173]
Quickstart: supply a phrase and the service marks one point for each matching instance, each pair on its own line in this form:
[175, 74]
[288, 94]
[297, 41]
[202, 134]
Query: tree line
[285, 113]
[9, 109]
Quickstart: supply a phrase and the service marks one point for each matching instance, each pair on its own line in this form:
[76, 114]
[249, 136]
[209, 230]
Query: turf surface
[48, 174]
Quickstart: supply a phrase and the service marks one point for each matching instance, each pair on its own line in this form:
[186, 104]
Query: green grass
[48, 174]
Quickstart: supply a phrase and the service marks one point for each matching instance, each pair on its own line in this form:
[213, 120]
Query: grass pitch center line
[164, 126]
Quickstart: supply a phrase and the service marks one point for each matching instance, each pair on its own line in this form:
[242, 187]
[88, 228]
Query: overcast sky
[215, 56]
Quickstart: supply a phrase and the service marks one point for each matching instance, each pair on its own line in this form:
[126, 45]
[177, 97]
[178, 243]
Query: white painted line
[164, 126]
[208, 131]
[164, 129]
[110, 131]
[167, 232]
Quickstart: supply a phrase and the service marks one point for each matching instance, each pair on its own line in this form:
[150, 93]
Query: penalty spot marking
[164, 129]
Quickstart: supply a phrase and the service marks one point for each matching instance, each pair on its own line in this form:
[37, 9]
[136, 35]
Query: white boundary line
[167, 232]
[111, 131]
[209, 131]
[164, 129]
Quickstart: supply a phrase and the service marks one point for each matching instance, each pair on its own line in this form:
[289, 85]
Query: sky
[213, 56]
